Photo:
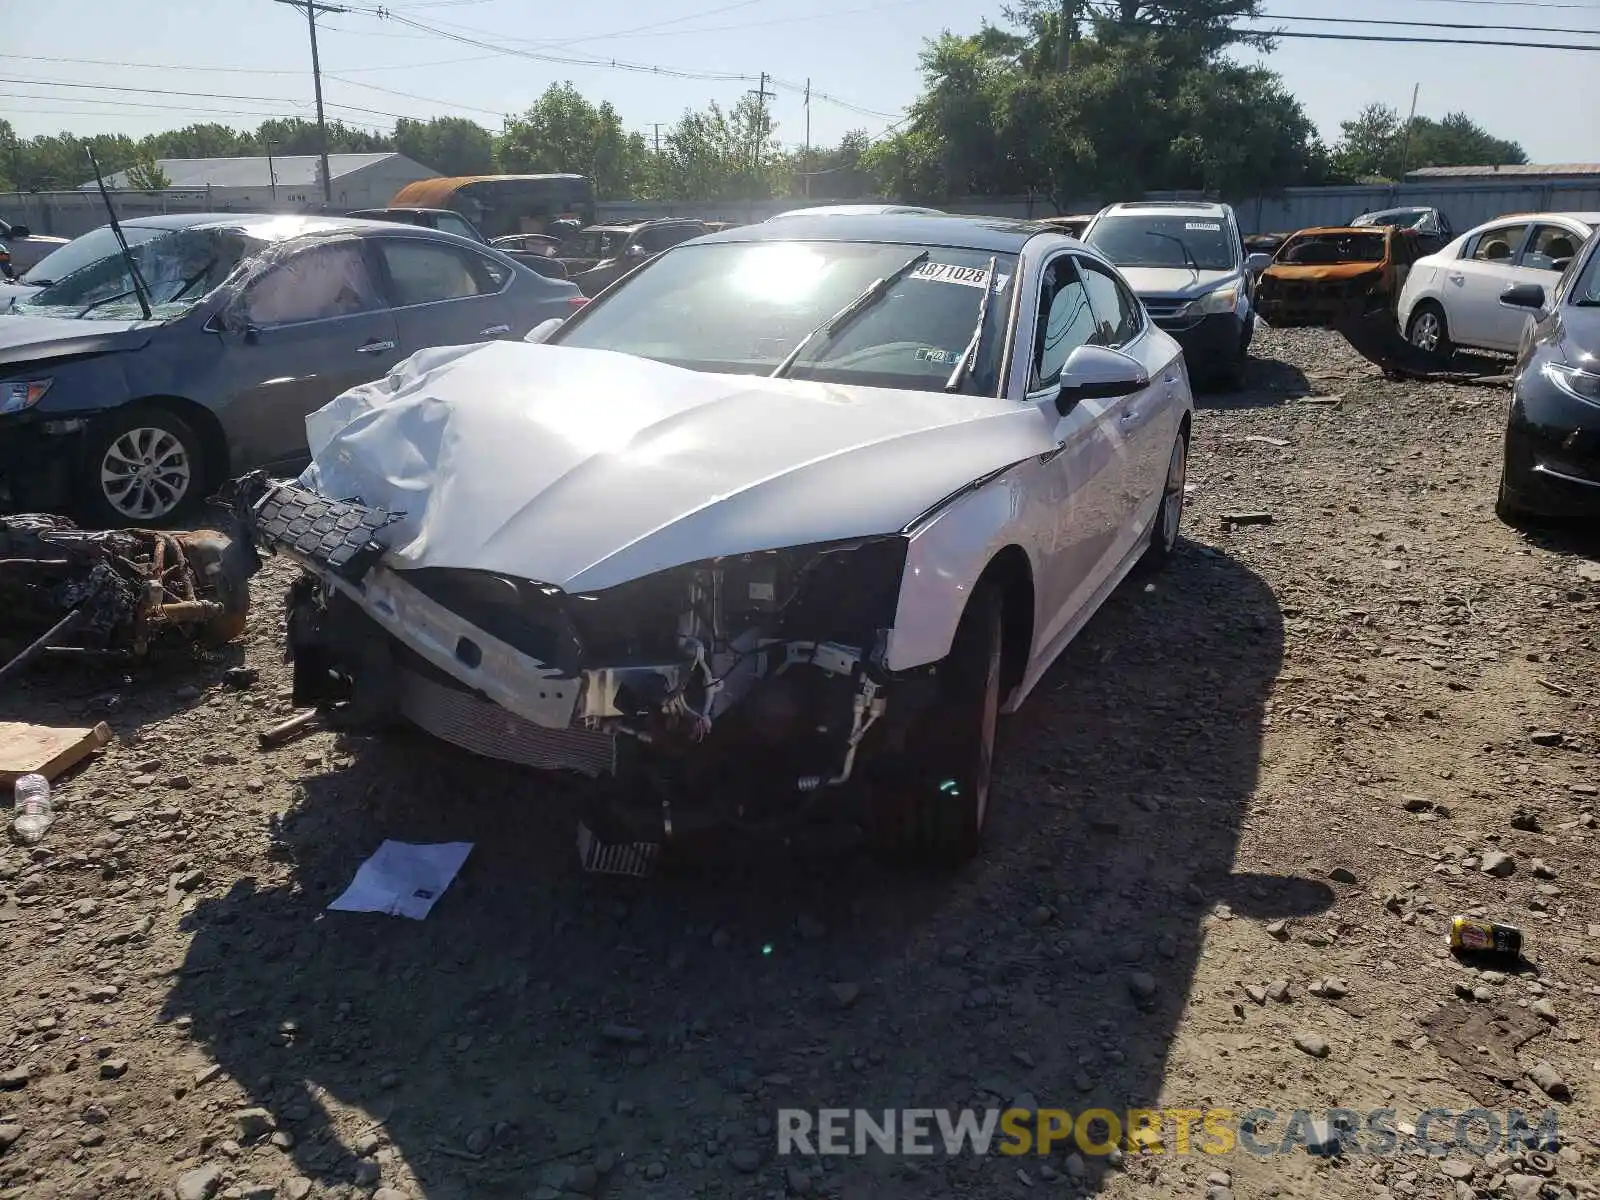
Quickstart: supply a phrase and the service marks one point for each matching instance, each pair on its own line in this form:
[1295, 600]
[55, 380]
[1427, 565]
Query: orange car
[1320, 276]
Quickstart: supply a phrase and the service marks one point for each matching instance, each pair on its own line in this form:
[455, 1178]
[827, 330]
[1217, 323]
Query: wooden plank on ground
[46, 749]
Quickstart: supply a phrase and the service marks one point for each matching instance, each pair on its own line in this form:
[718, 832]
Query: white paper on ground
[403, 879]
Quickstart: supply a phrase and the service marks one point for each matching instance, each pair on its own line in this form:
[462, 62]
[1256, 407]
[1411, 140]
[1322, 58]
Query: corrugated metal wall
[68, 214]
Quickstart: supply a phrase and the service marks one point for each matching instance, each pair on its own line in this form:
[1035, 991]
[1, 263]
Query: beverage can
[1485, 937]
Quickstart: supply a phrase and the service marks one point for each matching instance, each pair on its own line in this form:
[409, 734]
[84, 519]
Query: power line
[1424, 24]
[412, 96]
[109, 87]
[1421, 41]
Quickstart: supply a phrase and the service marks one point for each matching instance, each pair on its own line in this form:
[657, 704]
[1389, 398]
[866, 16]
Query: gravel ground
[1231, 829]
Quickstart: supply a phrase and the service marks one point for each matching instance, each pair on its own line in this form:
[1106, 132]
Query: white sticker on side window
[1203, 226]
[950, 273]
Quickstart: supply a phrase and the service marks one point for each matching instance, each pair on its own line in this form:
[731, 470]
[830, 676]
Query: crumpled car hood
[587, 468]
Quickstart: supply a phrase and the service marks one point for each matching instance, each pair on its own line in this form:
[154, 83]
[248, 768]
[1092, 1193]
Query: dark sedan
[1552, 442]
[129, 395]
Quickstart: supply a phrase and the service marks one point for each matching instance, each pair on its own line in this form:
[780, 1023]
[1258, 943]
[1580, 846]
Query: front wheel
[933, 798]
[142, 466]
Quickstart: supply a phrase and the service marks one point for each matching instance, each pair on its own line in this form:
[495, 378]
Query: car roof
[266, 227]
[1357, 230]
[1152, 208]
[402, 208]
[1000, 235]
[1588, 218]
[855, 210]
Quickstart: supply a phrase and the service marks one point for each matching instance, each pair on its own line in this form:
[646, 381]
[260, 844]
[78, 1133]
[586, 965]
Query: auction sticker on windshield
[1203, 226]
[950, 273]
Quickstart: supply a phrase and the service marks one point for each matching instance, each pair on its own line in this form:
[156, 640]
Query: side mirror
[1096, 373]
[1257, 263]
[636, 252]
[1523, 295]
[542, 331]
[20, 231]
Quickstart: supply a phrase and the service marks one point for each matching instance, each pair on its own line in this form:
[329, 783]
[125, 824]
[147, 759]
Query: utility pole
[272, 174]
[761, 95]
[1069, 34]
[1405, 146]
[658, 139]
[806, 174]
[313, 7]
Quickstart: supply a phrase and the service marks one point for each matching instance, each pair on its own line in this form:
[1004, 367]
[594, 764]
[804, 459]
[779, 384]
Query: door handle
[494, 331]
[1454, 278]
[374, 347]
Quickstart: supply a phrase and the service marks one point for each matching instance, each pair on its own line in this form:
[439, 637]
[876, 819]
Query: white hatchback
[1452, 297]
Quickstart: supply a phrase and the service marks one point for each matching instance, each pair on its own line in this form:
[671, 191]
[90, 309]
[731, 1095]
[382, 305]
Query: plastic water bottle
[35, 813]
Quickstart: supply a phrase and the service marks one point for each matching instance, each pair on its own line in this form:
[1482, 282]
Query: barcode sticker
[1203, 226]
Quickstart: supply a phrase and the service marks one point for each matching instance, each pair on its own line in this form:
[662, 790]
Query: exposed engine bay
[764, 668]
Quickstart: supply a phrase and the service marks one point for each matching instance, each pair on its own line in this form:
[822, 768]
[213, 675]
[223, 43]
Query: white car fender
[947, 555]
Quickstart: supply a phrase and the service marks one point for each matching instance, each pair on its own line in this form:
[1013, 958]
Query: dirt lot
[1288, 759]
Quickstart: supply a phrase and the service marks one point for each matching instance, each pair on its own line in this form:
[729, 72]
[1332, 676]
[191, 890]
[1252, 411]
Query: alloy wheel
[146, 473]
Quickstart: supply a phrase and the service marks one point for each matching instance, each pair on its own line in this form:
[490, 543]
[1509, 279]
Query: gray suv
[1187, 263]
[129, 398]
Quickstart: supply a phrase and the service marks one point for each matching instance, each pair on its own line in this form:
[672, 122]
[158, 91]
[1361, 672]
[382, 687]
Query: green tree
[450, 145]
[717, 154]
[563, 131]
[1375, 144]
[146, 175]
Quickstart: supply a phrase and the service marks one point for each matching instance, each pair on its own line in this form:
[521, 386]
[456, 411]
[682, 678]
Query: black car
[1430, 225]
[1552, 443]
[130, 398]
[453, 222]
[602, 254]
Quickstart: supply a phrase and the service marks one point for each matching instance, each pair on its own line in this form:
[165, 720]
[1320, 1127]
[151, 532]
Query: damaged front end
[758, 673]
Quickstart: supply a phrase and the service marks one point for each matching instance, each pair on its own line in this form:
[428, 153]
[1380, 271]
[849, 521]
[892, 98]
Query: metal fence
[68, 214]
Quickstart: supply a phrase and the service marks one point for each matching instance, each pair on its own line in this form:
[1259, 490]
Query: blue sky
[861, 54]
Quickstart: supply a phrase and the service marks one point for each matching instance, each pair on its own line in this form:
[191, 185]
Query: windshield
[179, 266]
[80, 252]
[741, 307]
[1403, 217]
[1322, 249]
[1200, 243]
[1587, 290]
[596, 243]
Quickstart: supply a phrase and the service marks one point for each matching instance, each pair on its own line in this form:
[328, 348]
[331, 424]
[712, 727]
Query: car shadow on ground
[1268, 383]
[539, 1018]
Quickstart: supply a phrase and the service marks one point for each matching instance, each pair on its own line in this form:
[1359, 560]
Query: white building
[359, 180]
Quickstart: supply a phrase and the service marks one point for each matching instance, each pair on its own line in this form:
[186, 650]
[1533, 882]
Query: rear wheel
[933, 799]
[1164, 534]
[1429, 330]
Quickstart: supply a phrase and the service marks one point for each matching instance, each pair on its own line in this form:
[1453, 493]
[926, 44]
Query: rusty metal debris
[116, 593]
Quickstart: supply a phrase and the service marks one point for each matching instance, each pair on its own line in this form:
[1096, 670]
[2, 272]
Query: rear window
[742, 307]
[1322, 249]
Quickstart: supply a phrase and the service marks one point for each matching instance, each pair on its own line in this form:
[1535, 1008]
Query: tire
[1169, 516]
[1506, 506]
[167, 454]
[1429, 330]
[933, 797]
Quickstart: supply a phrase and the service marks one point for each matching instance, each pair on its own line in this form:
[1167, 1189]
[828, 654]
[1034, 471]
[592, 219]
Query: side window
[1065, 322]
[1497, 245]
[454, 224]
[674, 234]
[312, 285]
[424, 272]
[1117, 316]
[1550, 243]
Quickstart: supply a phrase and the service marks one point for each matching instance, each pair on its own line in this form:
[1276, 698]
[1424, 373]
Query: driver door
[309, 327]
[1473, 285]
[1086, 474]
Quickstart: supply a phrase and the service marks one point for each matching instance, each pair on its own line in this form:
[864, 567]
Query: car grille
[476, 725]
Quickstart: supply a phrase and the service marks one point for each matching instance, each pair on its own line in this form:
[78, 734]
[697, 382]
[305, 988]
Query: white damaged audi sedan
[776, 526]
